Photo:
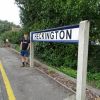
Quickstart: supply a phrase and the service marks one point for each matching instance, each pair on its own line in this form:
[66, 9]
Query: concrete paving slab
[1, 97]
[28, 83]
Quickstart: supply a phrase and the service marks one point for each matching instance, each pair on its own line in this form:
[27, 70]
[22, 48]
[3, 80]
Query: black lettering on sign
[42, 35]
[39, 35]
[56, 33]
[69, 34]
[35, 35]
[52, 35]
[47, 35]
[62, 34]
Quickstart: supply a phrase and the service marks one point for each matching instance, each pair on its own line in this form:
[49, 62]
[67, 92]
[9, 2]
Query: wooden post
[82, 60]
[31, 52]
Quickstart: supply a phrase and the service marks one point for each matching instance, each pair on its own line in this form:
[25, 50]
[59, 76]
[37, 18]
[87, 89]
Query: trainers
[27, 64]
[23, 64]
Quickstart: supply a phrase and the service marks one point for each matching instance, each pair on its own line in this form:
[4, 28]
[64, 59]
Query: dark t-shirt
[25, 43]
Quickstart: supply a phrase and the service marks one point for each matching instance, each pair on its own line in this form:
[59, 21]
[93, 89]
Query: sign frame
[55, 29]
[82, 58]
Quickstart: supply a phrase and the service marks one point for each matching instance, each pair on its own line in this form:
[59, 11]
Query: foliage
[6, 32]
[94, 79]
[67, 71]
[43, 14]
[94, 58]
[6, 26]
[57, 54]
[13, 37]
[16, 47]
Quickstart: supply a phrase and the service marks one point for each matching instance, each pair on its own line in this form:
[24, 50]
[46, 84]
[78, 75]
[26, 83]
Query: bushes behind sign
[63, 54]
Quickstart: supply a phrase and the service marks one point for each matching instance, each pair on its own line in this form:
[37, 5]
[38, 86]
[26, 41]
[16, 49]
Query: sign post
[71, 34]
[82, 60]
[31, 52]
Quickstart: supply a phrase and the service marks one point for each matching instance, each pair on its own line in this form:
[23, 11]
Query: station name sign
[60, 34]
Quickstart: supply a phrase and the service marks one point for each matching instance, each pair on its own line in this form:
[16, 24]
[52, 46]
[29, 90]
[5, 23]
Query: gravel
[66, 82]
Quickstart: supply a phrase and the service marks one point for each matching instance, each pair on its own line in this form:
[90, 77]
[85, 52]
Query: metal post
[82, 60]
[31, 52]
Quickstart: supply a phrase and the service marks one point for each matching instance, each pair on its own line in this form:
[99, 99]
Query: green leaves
[13, 37]
[43, 14]
[5, 26]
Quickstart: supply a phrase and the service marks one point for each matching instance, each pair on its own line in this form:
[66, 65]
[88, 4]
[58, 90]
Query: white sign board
[61, 34]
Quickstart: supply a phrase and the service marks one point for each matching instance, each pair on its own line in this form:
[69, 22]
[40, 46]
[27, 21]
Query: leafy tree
[43, 14]
[13, 37]
[6, 26]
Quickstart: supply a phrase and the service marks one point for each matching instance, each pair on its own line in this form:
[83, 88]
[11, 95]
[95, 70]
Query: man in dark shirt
[24, 47]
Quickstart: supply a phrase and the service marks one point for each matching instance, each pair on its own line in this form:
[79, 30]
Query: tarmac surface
[28, 83]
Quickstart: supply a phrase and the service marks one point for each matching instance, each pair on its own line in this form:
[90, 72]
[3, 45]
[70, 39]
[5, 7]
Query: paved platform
[1, 95]
[28, 83]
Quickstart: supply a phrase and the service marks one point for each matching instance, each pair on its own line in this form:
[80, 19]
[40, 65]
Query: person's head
[26, 35]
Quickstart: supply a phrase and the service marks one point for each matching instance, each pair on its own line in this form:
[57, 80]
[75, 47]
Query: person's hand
[27, 49]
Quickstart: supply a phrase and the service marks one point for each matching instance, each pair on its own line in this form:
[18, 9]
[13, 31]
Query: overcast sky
[9, 11]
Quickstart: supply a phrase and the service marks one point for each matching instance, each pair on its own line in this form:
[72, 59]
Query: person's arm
[21, 46]
[28, 46]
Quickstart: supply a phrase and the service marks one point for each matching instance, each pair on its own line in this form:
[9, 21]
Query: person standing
[7, 43]
[24, 49]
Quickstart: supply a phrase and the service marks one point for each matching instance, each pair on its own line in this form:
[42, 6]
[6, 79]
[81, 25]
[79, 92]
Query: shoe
[27, 65]
[23, 64]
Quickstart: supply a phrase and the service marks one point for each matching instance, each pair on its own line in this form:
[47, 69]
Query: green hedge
[13, 37]
[63, 54]
[57, 54]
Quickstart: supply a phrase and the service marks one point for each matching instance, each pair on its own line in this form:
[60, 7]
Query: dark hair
[26, 33]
